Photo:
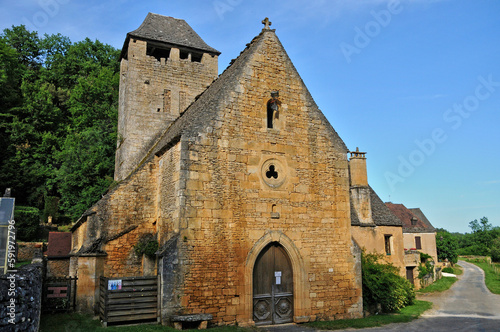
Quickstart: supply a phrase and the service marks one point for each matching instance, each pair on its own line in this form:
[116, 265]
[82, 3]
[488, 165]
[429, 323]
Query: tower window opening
[158, 53]
[183, 55]
[196, 57]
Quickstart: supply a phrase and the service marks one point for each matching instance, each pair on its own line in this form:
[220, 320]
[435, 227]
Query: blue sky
[414, 83]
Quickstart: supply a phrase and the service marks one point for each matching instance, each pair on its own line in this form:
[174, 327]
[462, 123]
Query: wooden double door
[273, 286]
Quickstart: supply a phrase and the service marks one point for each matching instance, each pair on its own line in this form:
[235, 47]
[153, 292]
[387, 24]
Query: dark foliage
[27, 223]
[58, 115]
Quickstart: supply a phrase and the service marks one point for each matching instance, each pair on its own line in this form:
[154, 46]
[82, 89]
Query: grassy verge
[83, 323]
[406, 314]
[457, 270]
[439, 286]
[491, 277]
[21, 263]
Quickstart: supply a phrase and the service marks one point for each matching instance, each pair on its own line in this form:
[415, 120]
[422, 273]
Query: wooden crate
[136, 299]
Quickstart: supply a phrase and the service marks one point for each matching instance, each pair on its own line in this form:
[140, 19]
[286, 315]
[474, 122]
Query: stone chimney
[357, 167]
[360, 192]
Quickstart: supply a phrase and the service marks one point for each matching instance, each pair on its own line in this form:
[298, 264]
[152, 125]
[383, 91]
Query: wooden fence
[124, 300]
[59, 294]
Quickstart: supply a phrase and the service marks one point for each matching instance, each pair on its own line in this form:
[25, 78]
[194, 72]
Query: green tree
[447, 247]
[495, 250]
[59, 113]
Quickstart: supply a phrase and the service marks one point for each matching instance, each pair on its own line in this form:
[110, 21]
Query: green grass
[64, 228]
[457, 269]
[83, 323]
[405, 315]
[439, 286]
[491, 279]
[21, 263]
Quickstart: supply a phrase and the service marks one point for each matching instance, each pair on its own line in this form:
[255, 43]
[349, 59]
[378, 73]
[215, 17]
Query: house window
[418, 242]
[413, 221]
[387, 239]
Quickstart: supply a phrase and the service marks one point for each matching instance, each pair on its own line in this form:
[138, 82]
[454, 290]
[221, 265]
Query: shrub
[495, 250]
[383, 285]
[426, 267]
[27, 223]
[448, 270]
[147, 245]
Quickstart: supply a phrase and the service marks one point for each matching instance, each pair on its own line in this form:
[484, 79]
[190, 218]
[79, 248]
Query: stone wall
[58, 267]
[373, 240]
[27, 250]
[427, 241]
[114, 225]
[20, 299]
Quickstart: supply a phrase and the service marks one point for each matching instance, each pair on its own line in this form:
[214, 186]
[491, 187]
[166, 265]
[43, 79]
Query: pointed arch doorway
[273, 286]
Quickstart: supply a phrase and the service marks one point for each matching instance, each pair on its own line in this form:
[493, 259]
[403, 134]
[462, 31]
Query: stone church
[240, 179]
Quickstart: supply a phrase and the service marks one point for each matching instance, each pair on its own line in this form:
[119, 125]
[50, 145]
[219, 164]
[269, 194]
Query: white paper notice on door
[277, 274]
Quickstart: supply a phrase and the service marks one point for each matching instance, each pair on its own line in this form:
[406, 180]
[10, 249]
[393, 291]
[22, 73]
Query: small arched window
[273, 109]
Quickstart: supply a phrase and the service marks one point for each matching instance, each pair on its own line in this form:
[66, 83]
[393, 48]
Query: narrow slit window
[270, 115]
[166, 100]
[273, 109]
[387, 239]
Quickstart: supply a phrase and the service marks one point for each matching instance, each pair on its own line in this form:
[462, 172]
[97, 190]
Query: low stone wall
[27, 250]
[20, 299]
[58, 267]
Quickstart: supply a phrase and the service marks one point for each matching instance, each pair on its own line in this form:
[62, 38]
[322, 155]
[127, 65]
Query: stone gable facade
[252, 165]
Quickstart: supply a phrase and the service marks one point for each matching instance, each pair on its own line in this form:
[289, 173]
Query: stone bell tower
[164, 66]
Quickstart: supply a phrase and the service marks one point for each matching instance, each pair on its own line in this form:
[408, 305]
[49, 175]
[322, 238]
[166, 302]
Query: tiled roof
[381, 215]
[420, 215]
[59, 244]
[406, 216]
[169, 30]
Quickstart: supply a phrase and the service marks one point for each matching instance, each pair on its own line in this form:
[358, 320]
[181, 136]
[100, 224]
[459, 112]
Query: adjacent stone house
[418, 232]
[241, 180]
[418, 236]
[374, 227]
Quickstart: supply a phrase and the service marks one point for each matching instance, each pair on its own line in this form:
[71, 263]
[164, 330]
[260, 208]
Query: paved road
[467, 306]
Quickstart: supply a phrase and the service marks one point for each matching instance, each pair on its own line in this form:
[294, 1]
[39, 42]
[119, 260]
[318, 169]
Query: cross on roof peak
[266, 23]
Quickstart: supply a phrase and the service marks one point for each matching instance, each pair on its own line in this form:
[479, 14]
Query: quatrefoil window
[273, 173]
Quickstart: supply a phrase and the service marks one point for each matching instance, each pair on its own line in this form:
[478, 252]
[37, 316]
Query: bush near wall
[27, 223]
[382, 285]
